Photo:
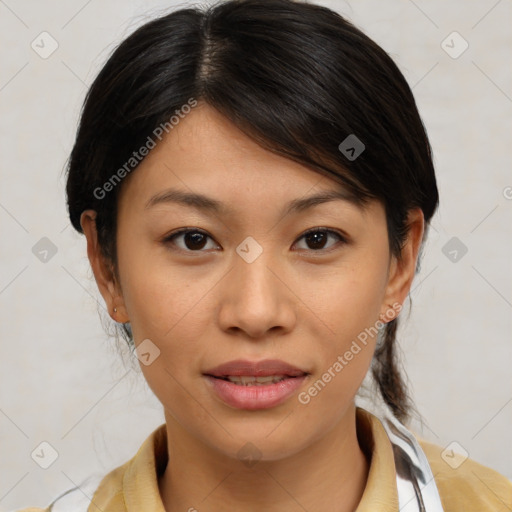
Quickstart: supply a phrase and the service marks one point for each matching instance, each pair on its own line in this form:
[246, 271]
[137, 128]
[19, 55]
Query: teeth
[249, 380]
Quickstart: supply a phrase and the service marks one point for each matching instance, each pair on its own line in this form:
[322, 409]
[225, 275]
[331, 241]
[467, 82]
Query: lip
[255, 397]
[255, 368]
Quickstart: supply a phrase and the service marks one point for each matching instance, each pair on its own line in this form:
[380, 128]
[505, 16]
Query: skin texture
[203, 305]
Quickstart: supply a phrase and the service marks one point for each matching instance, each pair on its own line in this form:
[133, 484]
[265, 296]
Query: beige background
[62, 380]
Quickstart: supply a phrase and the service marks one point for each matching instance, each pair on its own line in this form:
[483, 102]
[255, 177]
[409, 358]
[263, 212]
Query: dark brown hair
[296, 77]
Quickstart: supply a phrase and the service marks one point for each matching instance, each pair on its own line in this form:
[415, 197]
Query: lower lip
[255, 397]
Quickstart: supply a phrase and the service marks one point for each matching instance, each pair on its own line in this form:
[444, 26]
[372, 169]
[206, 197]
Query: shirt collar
[140, 481]
[380, 492]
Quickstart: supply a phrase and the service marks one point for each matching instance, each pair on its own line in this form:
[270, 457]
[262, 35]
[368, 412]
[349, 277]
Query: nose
[256, 299]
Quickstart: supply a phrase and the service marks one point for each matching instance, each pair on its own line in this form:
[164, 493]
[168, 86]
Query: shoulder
[464, 484]
[107, 493]
[98, 490]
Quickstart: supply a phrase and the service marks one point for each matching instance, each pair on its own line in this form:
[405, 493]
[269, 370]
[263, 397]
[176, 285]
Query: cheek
[162, 300]
[351, 311]
[352, 302]
[170, 309]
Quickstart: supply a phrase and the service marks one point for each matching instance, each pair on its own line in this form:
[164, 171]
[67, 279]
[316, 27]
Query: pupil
[193, 240]
[317, 238]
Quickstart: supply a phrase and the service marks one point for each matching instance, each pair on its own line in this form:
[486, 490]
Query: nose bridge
[254, 280]
[256, 300]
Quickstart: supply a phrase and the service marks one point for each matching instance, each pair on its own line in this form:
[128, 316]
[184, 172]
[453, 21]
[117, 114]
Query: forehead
[206, 143]
[206, 162]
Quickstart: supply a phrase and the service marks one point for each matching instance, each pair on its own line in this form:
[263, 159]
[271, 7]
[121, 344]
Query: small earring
[115, 310]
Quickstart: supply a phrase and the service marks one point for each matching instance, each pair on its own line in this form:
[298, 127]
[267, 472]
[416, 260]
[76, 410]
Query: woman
[255, 184]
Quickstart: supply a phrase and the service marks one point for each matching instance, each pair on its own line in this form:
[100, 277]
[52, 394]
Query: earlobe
[390, 312]
[103, 273]
[402, 270]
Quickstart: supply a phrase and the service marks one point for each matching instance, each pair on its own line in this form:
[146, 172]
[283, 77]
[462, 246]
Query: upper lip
[263, 368]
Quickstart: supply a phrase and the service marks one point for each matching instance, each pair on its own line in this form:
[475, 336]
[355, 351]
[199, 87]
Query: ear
[103, 271]
[402, 270]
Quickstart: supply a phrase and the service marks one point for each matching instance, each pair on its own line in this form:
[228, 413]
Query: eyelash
[169, 239]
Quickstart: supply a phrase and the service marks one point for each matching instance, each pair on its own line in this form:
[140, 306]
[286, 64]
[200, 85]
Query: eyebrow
[210, 205]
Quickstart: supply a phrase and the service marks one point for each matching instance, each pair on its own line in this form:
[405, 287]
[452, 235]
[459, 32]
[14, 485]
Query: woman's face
[247, 284]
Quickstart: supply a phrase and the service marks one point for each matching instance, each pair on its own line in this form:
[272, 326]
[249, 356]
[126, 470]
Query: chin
[263, 439]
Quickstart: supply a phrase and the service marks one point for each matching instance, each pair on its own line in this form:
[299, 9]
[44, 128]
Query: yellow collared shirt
[468, 487]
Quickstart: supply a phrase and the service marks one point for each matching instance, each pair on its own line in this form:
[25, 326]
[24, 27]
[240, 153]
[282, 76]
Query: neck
[332, 470]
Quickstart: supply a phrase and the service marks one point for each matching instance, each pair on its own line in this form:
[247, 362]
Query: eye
[193, 240]
[317, 238]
